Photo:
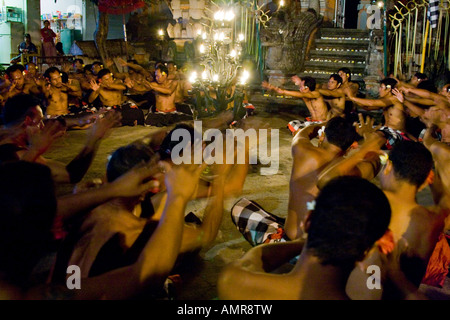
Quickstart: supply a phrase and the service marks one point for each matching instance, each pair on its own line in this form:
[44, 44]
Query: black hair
[412, 161]
[389, 83]
[427, 85]
[88, 68]
[350, 214]
[79, 60]
[28, 209]
[162, 68]
[336, 77]
[165, 150]
[96, 63]
[347, 71]
[17, 108]
[49, 71]
[14, 68]
[310, 83]
[125, 158]
[420, 75]
[64, 77]
[102, 73]
[341, 132]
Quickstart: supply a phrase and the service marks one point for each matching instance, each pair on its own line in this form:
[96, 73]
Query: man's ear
[388, 168]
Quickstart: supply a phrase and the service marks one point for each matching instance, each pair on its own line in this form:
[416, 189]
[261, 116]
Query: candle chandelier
[219, 80]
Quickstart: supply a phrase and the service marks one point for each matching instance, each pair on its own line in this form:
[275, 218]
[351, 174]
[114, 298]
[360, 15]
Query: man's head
[53, 76]
[78, 64]
[22, 109]
[46, 24]
[308, 84]
[32, 68]
[125, 158]
[445, 90]
[172, 67]
[345, 74]
[334, 82]
[181, 134]
[105, 76]
[28, 209]
[417, 78]
[16, 76]
[96, 67]
[386, 86]
[350, 214]
[409, 162]
[161, 73]
[27, 38]
[340, 132]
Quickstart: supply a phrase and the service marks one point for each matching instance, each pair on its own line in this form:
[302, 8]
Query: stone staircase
[335, 48]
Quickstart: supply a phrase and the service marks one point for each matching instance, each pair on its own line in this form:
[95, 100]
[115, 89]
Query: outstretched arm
[250, 277]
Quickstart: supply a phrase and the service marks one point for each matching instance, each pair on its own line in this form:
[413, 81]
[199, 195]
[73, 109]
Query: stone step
[343, 32]
[332, 65]
[338, 53]
[323, 76]
[338, 43]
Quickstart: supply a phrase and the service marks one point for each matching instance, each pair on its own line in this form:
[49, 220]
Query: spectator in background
[25, 47]
[48, 43]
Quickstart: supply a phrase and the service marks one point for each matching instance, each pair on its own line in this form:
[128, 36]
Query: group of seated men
[128, 233]
[75, 91]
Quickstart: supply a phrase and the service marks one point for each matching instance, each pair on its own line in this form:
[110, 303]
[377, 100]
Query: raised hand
[94, 85]
[181, 180]
[365, 128]
[103, 124]
[398, 94]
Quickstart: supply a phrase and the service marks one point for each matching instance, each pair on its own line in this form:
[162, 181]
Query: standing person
[48, 42]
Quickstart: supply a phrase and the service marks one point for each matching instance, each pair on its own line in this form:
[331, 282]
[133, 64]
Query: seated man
[23, 116]
[394, 114]
[110, 92]
[313, 99]
[113, 234]
[335, 96]
[29, 206]
[166, 112]
[57, 93]
[18, 84]
[309, 160]
[340, 228]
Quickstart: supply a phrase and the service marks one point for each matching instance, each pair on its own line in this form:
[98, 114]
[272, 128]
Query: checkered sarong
[433, 13]
[392, 136]
[257, 225]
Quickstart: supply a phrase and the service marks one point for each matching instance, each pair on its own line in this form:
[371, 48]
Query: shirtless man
[164, 90]
[393, 111]
[313, 99]
[57, 93]
[439, 111]
[340, 227]
[23, 115]
[347, 82]
[405, 173]
[109, 90]
[309, 160]
[334, 96]
[18, 84]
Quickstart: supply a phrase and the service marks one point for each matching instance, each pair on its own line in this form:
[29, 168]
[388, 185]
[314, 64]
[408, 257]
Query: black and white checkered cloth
[257, 225]
[433, 12]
